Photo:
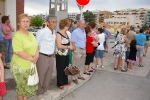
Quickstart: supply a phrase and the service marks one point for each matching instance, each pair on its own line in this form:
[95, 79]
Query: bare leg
[97, 61]
[119, 63]
[102, 62]
[1, 98]
[123, 61]
[20, 97]
[3, 58]
[116, 62]
[146, 50]
[140, 60]
[90, 67]
[25, 98]
[131, 66]
[86, 68]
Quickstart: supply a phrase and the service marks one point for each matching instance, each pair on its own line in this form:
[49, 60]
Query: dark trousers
[61, 63]
[127, 55]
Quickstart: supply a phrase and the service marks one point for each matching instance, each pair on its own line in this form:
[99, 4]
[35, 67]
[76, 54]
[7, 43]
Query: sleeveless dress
[62, 61]
[120, 47]
[65, 41]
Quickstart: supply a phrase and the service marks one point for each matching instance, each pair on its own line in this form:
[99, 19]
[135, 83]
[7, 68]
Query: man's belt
[46, 55]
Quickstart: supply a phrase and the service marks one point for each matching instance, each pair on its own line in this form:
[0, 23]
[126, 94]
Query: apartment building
[73, 16]
[129, 17]
[124, 19]
[148, 18]
[76, 16]
[104, 15]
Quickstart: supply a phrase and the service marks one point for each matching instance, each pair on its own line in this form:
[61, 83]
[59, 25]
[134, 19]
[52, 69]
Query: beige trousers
[79, 61]
[44, 67]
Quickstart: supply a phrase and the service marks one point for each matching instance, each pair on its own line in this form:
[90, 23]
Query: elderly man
[130, 35]
[78, 39]
[46, 42]
[140, 39]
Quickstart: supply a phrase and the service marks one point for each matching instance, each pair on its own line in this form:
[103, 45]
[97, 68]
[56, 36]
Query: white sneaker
[97, 66]
[102, 66]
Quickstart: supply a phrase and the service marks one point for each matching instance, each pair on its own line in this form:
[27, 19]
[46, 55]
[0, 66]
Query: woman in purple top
[7, 32]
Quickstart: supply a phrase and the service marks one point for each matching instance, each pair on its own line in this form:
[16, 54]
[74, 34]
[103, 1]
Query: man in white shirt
[46, 43]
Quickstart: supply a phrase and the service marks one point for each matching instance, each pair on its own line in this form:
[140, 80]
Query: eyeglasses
[24, 21]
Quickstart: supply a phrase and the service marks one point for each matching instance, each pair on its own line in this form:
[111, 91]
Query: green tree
[89, 16]
[36, 21]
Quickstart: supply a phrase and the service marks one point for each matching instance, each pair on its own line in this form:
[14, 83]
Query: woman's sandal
[69, 84]
[61, 87]
[93, 69]
[115, 68]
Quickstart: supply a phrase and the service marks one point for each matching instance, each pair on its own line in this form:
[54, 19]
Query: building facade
[124, 19]
[148, 18]
[104, 15]
[75, 16]
[11, 8]
[141, 13]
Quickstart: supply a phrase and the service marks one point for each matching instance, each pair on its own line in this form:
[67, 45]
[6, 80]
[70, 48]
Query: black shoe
[90, 70]
[140, 65]
[115, 68]
[123, 70]
[6, 67]
[87, 73]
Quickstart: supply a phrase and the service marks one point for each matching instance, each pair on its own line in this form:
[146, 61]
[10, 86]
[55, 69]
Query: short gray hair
[50, 16]
[132, 27]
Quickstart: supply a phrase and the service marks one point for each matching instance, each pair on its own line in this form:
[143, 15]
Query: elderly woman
[26, 52]
[62, 52]
[7, 32]
[120, 49]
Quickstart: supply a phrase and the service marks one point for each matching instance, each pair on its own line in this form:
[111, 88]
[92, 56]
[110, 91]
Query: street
[106, 85]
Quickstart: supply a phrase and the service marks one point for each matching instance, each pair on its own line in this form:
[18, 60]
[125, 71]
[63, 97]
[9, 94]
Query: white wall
[10, 10]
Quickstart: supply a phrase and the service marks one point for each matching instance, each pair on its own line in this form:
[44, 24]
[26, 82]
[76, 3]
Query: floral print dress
[120, 47]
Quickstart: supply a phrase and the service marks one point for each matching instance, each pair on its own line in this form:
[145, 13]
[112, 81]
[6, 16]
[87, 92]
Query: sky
[34, 7]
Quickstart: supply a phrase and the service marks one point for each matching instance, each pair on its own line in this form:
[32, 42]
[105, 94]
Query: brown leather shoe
[75, 81]
[82, 78]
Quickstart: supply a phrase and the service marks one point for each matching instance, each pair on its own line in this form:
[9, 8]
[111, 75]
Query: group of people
[130, 47]
[73, 45]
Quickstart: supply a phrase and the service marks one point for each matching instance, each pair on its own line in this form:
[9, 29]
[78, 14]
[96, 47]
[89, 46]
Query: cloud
[42, 6]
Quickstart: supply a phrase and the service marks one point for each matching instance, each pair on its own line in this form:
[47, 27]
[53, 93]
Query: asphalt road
[106, 85]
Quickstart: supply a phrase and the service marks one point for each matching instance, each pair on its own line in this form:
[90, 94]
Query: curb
[57, 94]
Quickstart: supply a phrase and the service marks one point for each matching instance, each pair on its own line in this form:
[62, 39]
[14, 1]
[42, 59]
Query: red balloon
[82, 2]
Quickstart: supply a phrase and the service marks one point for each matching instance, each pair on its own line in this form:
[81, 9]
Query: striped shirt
[46, 41]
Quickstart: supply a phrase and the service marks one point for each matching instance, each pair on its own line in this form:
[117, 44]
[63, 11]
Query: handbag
[71, 70]
[2, 87]
[33, 78]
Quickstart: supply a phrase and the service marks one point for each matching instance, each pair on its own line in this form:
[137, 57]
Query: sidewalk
[54, 93]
